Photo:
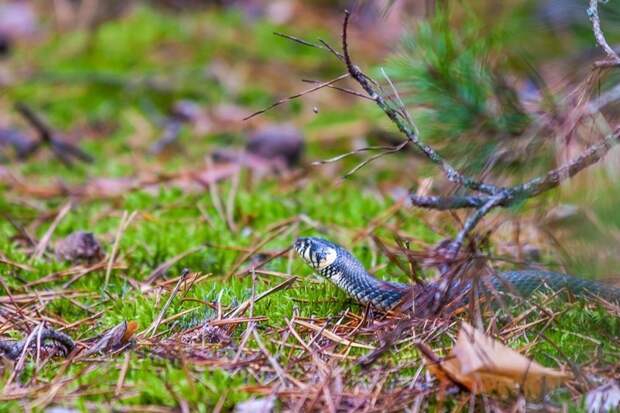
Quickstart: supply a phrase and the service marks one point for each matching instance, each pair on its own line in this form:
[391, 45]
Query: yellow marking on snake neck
[329, 259]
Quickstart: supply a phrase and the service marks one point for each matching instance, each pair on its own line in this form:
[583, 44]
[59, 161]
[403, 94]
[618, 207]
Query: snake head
[318, 253]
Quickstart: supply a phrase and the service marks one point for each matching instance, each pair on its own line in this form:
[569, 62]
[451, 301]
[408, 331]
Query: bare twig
[298, 95]
[375, 157]
[341, 89]
[612, 56]
[323, 44]
[331, 49]
[64, 151]
[553, 178]
[345, 155]
[443, 203]
[474, 218]
[403, 124]
[298, 40]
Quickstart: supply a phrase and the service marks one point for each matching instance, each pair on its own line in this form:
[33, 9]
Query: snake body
[338, 265]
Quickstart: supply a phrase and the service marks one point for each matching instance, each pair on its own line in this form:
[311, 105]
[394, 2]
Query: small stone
[79, 246]
[263, 405]
[282, 142]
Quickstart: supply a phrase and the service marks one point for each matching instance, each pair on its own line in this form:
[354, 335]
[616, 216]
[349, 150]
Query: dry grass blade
[42, 245]
[122, 227]
[121, 377]
[246, 304]
[272, 360]
[332, 336]
[153, 327]
[162, 268]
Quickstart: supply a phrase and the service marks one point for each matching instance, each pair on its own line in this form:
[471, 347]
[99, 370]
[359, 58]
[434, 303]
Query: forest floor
[196, 341]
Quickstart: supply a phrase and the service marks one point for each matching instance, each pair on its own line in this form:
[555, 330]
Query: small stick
[323, 44]
[63, 150]
[297, 40]
[598, 33]
[443, 203]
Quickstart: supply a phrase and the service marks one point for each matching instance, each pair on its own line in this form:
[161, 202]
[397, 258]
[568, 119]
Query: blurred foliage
[467, 72]
[457, 80]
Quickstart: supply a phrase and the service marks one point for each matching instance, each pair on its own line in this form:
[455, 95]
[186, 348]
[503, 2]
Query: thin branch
[498, 196]
[298, 95]
[298, 40]
[323, 44]
[64, 151]
[553, 178]
[331, 49]
[614, 59]
[474, 219]
[403, 125]
[342, 89]
[345, 155]
[153, 327]
[443, 203]
[375, 157]
[529, 189]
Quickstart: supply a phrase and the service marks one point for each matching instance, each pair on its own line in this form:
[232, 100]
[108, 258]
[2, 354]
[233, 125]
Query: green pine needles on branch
[457, 82]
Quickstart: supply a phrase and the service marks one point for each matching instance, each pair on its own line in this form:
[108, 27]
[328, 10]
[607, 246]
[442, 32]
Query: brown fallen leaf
[484, 365]
[113, 339]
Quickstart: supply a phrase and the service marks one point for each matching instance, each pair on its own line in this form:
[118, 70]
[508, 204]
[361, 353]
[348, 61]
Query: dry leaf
[484, 365]
[113, 339]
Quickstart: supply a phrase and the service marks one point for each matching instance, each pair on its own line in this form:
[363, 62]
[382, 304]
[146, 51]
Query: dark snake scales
[338, 265]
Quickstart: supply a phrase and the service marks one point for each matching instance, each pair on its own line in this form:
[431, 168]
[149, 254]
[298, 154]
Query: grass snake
[338, 265]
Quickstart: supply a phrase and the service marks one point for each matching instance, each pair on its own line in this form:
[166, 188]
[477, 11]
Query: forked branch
[496, 196]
